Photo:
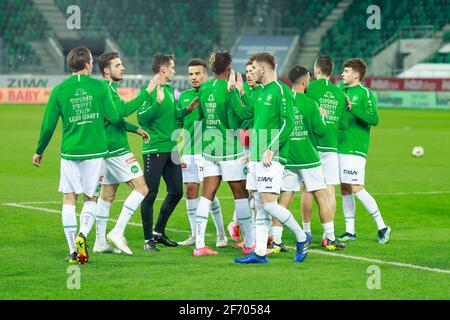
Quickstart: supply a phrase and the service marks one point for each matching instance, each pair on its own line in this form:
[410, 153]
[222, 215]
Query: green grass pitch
[413, 195]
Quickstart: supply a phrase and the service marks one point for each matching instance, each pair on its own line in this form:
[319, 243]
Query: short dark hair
[267, 58]
[219, 61]
[357, 65]
[197, 62]
[297, 73]
[105, 60]
[78, 57]
[325, 64]
[160, 60]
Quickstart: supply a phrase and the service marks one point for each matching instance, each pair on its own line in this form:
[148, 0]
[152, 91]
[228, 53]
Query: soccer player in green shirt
[332, 100]
[121, 164]
[157, 116]
[304, 164]
[84, 104]
[192, 160]
[353, 149]
[269, 149]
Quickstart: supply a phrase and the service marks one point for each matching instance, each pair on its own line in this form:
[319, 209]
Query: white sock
[262, 226]
[285, 217]
[216, 214]
[328, 229]
[69, 221]
[306, 226]
[371, 206]
[191, 207]
[87, 217]
[253, 211]
[244, 217]
[201, 221]
[130, 206]
[101, 219]
[349, 207]
[234, 219]
[277, 233]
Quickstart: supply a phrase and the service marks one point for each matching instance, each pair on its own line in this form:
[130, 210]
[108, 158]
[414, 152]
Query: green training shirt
[273, 121]
[332, 100]
[363, 114]
[220, 135]
[308, 122]
[116, 136]
[82, 103]
[158, 120]
[191, 123]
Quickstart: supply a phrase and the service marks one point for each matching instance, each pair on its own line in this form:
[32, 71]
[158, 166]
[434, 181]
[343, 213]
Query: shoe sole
[83, 255]
[347, 239]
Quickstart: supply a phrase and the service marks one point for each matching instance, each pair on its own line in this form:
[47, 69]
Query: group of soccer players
[265, 139]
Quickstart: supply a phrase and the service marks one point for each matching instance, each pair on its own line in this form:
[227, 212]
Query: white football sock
[69, 221]
[234, 219]
[263, 222]
[349, 207]
[216, 214]
[306, 226]
[277, 233]
[328, 229]
[191, 207]
[285, 217]
[371, 206]
[253, 211]
[87, 217]
[130, 206]
[101, 219]
[244, 217]
[201, 221]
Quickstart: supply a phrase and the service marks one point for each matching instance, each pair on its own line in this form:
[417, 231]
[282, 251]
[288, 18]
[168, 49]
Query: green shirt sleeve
[131, 127]
[49, 122]
[110, 109]
[318, 122]
[240, 109]
[178, 121]
[287, 119]
[127, 108]
[368, 113]
[145, 112]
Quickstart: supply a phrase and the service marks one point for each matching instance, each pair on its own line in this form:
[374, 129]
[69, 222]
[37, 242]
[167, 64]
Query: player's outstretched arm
[48, 126]
[109, 107]
[145, 113]
[127, 108]
[238, 107]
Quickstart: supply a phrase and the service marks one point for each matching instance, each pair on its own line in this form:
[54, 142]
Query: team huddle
[265, 139]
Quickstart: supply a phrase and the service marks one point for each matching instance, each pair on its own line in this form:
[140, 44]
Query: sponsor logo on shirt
[211, 97]
[80, 92]
[329, 95]
[134, 169]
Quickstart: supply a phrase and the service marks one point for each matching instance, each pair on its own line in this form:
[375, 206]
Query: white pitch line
[344, 256]
[402, 193]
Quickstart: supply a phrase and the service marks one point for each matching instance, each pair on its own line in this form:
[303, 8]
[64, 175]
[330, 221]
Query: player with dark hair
[121, 164]
[192, 163]
[157, 117]
[222, 152]
[353, 149]
[331, 100]
[269, 149]
[84, 104]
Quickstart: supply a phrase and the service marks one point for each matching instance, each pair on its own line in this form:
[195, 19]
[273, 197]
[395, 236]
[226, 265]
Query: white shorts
[230, 170]
[81, 176]
[192, 167]
[312, 177]
[330, 167]
[265, 179]
[121, 169]
[352, 169]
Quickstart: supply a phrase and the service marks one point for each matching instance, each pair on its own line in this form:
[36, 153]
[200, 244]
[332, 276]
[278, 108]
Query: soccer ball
[418, 151]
